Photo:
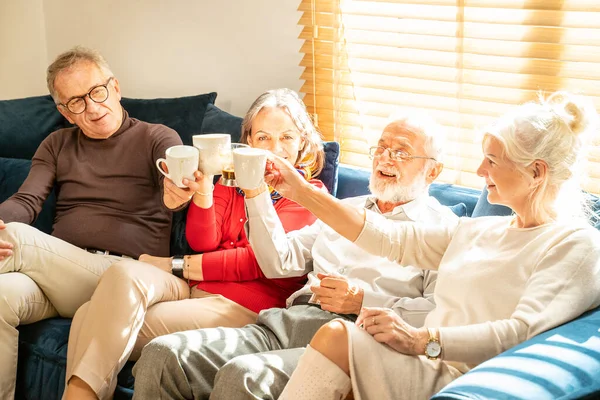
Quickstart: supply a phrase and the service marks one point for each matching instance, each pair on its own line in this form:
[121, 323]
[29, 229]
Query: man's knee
[17, 291]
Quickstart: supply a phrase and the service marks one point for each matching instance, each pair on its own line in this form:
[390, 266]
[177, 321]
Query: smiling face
[274, 130]
[401, 181]
[506, 184]
[99, 120]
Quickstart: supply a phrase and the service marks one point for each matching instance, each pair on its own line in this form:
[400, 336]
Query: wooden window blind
[464, 62]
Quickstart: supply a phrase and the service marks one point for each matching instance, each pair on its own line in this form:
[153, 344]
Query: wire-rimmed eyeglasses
[396, 155]
[98, 94]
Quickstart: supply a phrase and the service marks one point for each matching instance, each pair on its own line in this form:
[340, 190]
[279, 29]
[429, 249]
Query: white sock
[316, 377]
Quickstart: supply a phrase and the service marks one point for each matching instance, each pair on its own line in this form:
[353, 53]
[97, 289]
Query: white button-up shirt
[319, 249]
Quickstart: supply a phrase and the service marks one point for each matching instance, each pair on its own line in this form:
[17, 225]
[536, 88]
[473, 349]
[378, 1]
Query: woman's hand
[388, 327]
[163, 263]
[282, 175]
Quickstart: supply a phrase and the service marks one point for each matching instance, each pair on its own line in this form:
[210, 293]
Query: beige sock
[316, 377]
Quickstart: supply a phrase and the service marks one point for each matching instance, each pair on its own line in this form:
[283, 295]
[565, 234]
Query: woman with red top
[135, 302]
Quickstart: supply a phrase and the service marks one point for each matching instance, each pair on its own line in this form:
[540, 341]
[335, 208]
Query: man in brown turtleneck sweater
[109, 198]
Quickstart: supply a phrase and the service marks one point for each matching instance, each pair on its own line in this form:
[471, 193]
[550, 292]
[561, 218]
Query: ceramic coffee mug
[249, 164]
[214, 149]
[182, 162]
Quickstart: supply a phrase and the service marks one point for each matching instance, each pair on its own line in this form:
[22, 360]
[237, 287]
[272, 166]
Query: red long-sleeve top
[229, 266]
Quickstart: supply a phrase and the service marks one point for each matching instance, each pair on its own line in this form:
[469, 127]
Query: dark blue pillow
[329, 174]
[13, 172]
[352, 182]
[183, 114]
[24, 123]
[483, 208]
[219, 121]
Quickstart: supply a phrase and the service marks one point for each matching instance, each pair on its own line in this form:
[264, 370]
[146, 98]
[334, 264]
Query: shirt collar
[412, 209]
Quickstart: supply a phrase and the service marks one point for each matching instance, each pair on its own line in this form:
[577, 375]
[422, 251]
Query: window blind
[463, 62]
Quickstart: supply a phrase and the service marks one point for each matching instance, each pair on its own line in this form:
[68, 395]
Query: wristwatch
[177, 264]
[433, 348]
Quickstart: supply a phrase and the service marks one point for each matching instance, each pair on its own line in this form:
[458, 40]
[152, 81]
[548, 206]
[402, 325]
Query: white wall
[159, 48]
[23, 57]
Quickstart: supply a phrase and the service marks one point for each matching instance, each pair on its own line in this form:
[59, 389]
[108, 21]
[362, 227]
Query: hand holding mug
[282, 175]
[181, 162]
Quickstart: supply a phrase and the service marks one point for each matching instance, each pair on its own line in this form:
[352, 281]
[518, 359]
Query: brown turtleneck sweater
[109, 192]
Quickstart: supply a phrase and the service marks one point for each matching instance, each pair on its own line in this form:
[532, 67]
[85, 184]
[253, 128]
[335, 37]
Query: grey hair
[433, 133]
[311, 155]
[553, 130]
[69, 58]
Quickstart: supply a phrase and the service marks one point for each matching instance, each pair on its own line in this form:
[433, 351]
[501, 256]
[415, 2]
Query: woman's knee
[332, 333]
[124, 271]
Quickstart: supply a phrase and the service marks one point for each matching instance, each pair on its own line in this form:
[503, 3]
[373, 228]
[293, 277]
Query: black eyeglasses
[98, 94]
[396, 155]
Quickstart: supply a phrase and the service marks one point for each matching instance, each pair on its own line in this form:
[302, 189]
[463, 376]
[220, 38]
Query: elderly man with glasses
[109, 203]
[255, 362]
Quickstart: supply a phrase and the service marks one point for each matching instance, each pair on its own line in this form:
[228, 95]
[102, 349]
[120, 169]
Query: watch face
[177, 263]
[433, 349]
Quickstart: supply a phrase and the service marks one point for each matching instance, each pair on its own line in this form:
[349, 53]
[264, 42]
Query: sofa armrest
[562, 363]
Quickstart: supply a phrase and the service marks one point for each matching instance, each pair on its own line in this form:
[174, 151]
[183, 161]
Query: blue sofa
[562, 363]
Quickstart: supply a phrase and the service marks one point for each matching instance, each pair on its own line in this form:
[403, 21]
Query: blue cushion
[24, 123]
[483, 208]
[449, 195]
[183, 114]
[13, 172]
[459, 209]
[219, 121]
[562, 363]
[352, 182]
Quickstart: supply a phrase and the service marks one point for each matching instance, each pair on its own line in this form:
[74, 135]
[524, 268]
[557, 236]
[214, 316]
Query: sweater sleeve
[240, 264]
[204, 226]
[564, 284]
[405, 242]
[25, 205]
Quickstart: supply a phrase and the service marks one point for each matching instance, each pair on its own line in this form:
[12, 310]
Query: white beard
[394, 192]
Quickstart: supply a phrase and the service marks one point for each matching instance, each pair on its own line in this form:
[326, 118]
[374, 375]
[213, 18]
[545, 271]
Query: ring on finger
[374, 321]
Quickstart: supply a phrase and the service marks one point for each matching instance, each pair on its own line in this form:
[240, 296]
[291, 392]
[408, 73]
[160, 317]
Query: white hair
[553, 130]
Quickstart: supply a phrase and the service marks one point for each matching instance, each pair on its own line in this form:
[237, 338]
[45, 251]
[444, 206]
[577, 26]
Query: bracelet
[186, 268]
[207, 194]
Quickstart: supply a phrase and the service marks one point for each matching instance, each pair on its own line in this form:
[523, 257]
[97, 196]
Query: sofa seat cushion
[43, 358]
[562, 363]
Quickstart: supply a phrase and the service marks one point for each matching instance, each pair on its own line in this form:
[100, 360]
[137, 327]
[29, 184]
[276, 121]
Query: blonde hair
[311, 155]
[555, 130]
[69, 58]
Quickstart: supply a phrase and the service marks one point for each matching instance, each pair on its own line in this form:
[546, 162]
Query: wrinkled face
[506, 184]
[99, 120]
[395, 180]
[274, 130]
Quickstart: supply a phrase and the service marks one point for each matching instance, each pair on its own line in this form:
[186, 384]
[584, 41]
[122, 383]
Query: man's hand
[336, 294]
[174, 196]
[388, 327]
[5, 247]
[283, 176]
[163, 263]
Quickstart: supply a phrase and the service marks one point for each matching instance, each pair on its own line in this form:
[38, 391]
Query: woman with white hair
[501, 280]
[224, 286]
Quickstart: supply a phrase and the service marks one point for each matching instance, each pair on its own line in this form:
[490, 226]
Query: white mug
[182, 162]
[249, 164]
[214, 150]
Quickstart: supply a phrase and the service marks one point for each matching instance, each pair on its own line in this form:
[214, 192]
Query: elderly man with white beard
[256, 361]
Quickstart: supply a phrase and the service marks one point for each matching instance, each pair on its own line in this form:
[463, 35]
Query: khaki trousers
[134, 303]
[45, 277]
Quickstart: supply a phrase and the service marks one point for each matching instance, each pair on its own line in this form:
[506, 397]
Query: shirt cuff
[256, 205]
